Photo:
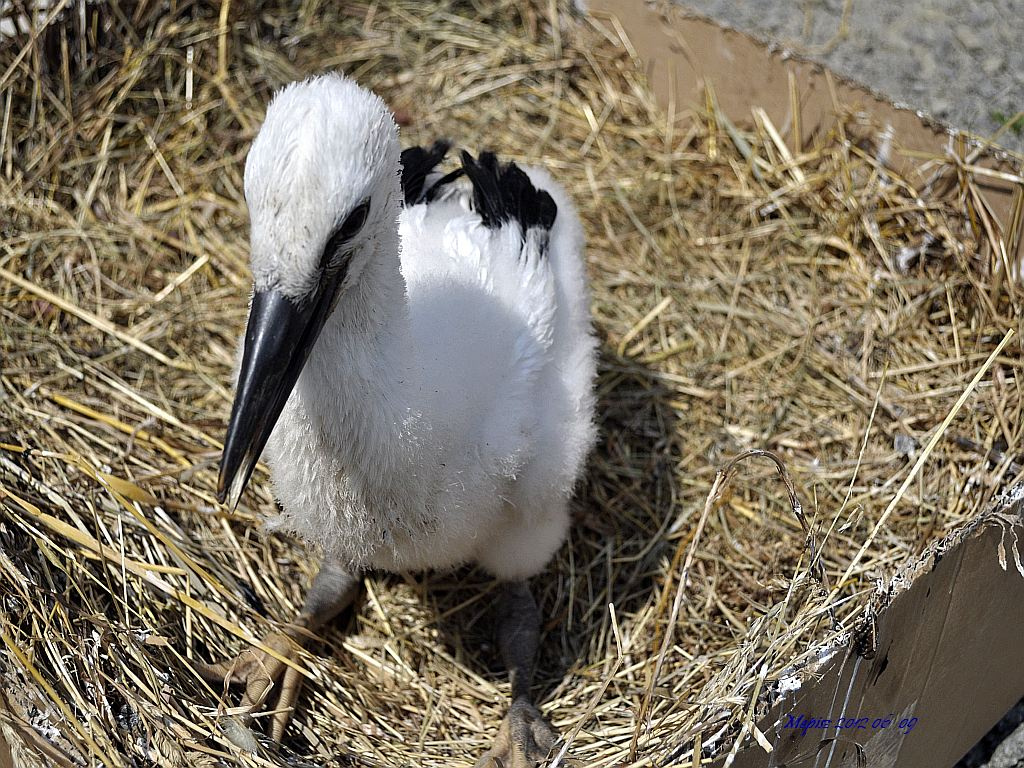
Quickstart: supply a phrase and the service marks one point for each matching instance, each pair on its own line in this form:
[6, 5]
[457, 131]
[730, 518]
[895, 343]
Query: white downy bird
[417, 371]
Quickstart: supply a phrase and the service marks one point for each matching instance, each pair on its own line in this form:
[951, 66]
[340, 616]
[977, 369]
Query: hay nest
[750, 293]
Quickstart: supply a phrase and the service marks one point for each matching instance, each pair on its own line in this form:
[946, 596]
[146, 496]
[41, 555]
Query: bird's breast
[394, 515]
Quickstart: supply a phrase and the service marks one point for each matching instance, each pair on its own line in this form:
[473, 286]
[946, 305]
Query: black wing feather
[417, 163]
[502, 192]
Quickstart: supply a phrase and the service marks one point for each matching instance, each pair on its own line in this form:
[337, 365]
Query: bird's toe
[259, 671]
[524, 740]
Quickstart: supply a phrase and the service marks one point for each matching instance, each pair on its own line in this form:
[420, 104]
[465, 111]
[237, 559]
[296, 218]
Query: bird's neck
[354, 383]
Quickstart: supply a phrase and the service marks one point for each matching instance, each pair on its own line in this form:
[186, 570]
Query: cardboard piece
[947, 638]
[946, 663]
[683, 53]
[6, 761]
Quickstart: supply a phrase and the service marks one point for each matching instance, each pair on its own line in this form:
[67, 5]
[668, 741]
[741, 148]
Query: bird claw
[524, 740]
[258, 671]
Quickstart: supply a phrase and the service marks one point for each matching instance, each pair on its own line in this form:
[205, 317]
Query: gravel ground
[959, 61]
[1010, 754]
[1002, 747]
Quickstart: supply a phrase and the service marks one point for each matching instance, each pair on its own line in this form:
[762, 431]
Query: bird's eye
[349, 228]
[354, 221]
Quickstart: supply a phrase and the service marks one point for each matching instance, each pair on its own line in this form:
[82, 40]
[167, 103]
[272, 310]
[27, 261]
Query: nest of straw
[750, 292]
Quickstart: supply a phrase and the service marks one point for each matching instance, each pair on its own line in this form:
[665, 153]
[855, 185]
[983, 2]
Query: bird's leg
[333, 590]
[524, 739]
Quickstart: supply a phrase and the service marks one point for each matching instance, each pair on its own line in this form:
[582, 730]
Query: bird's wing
[482, 298]
[517, 218]
[420, 183]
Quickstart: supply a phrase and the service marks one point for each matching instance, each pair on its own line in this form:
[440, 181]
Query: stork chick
[417, 372]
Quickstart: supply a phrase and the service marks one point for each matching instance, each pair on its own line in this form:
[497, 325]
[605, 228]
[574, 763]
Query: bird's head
[320, 184]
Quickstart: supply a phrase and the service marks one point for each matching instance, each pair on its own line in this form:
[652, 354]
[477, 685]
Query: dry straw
[750, 292]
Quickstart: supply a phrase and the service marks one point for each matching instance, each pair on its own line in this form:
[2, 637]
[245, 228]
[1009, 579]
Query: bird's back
[499, 311]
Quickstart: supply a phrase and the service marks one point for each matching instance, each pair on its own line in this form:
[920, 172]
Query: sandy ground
[960, 62]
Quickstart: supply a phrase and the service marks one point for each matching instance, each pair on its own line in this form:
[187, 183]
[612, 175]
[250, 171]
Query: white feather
[446, 411]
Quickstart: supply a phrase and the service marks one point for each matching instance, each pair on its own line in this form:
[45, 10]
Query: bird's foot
[259, 671]
[524, 739]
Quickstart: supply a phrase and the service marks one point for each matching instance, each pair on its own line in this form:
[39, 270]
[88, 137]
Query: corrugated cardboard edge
[682, 53]
[947, 641]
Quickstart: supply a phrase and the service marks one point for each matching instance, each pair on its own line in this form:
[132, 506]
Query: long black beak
[278, 339]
